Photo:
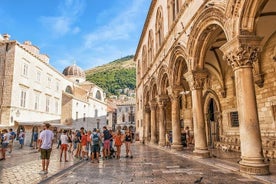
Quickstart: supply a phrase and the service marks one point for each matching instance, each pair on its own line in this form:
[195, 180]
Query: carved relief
[242, 56]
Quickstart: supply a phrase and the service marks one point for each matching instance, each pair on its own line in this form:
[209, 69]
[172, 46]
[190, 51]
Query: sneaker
[127, 156]
[43, 172]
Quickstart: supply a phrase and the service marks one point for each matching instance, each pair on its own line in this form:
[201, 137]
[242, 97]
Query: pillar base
[177, 147]
[161, 144]
[202, 153]
[261, 168]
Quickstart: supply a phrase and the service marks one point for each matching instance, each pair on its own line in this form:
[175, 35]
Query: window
[68, 90]
[98, 95]
[83, 117]
[38, 76]
[234, 116]
[57, 86]
[25, 69]
[47, 104]
[159, 28]
[144, 60]
[56, 106]
[96, 113]
[77, 116]
[49, 82]
[23, 98]
[36, 106]
[123, 118]
[150, 47]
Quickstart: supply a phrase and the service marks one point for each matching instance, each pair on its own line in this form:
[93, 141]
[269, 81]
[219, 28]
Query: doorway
[212, 124]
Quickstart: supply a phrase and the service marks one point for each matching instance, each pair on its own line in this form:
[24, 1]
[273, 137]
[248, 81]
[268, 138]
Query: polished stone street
[149, 165]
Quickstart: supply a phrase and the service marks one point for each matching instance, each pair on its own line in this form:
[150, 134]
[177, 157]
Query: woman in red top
[83, 145]
[118, 143]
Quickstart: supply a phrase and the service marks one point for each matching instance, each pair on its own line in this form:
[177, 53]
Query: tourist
[35, 138]
[96, 141]
[11, 139]
[78, 142]
[128, 140]
[106, 149]
[21, 138]
[64, 145]
[83, 145]
[118, 143]
[46, 139]
[5, 143]
[89, 143]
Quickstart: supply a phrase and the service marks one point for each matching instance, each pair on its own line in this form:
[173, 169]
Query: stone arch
[208, 21]
[213, 117]
[146, 96]
[159, 28]
[178, 65]
[153, 89]
[163, 81]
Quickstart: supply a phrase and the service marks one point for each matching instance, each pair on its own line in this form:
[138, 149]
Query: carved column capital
[162, 100]
[147, 108]
[197, 79]
[242, 51]
[174, 91]
[153, 105]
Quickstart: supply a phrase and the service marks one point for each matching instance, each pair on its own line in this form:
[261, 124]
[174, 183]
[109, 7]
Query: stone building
[33, 92]
[210, 65]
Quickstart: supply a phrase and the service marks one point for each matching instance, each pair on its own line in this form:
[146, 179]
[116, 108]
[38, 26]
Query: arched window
[159, 28]
[68, 90]
[144, 60]
[150, 47]
[98, 95]
[123, 118]
[173, 10]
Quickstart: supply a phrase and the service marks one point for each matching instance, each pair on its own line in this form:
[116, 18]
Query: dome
[75, 72]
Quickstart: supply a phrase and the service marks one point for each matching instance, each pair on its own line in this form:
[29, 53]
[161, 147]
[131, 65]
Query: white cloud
[62, 24]
[120, 27]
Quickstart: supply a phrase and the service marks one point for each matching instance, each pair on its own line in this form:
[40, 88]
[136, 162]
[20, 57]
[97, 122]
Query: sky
[89, 33]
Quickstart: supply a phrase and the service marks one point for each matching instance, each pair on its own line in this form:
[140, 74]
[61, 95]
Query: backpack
[95, 139]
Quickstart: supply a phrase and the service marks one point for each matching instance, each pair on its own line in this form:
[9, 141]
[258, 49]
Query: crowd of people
[81, 144]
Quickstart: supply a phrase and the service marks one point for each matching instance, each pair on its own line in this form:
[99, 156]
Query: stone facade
[33, 92]
[210, 65]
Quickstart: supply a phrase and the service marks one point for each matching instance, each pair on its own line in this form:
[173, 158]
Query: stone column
[197, 79]
[153, 106]
[162, 133]
[240, 53]
[147, 123]
[176, 128]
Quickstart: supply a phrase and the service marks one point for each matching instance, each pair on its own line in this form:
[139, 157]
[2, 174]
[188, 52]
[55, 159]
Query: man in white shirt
[46, 138]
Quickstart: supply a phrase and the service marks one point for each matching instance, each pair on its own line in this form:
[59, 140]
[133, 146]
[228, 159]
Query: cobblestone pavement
[22, 166]
[150, 164]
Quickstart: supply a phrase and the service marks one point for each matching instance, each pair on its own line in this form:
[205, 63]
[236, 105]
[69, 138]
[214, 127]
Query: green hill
[116, 75]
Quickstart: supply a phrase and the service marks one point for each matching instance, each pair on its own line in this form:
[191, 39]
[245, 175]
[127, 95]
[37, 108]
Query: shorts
[46, 153]
[11, 142]
[96, 148]
[107, 144]
[5, 145]
[83, 148]
[64, 147]
[21, 141]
